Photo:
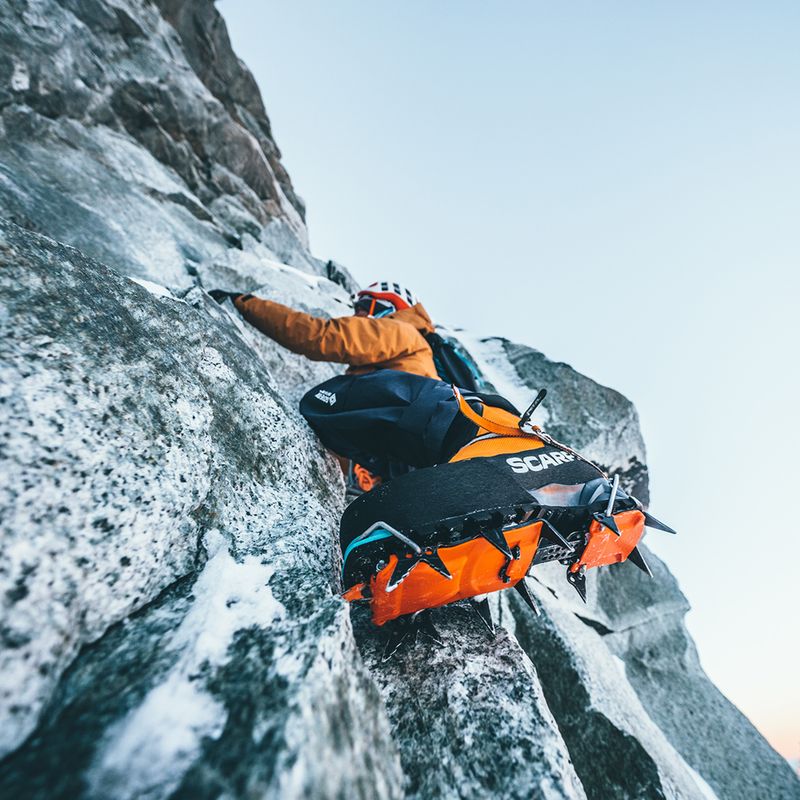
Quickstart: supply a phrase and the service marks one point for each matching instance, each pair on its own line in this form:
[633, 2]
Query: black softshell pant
[388, 420]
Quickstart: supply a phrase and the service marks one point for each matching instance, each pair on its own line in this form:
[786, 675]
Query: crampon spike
[484, 612]
[434, 560]
[608, 521]
[524, 592]
[552, 534]
[399, 631]
[652, 522]
[404, 566]
[613, 496]
[425, 627]
[496, 537]
[405, 630]
[578, 580]
[637, 559]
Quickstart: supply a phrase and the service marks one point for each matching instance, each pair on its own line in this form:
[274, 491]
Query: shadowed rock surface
[639, 622]
[662, 666]
[169, 619]
[476, 695]
[617, 750]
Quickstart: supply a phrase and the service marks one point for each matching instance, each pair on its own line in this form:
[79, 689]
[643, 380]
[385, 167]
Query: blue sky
[617, 185]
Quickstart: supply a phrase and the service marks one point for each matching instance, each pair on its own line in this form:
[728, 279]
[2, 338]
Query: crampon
[510, 499]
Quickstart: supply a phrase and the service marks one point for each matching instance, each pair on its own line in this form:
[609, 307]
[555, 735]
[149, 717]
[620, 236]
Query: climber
[500, 496]
[390, 410]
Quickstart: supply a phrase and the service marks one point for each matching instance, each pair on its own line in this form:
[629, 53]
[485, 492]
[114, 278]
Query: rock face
[142, 144]
[170, 624]
[146, 449]
[469, 715]
[662, 666]
[632, 629]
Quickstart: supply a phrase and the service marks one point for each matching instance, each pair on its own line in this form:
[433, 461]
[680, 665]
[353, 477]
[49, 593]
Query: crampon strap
[488, 425]
[529, 432]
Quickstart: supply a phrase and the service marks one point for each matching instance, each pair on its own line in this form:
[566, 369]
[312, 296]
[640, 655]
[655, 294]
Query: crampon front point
[510, 499]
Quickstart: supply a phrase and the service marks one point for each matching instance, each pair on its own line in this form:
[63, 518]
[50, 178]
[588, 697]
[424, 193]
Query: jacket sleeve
[357, 341]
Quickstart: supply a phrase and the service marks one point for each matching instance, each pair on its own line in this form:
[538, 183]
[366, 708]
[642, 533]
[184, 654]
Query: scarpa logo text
[540, 462]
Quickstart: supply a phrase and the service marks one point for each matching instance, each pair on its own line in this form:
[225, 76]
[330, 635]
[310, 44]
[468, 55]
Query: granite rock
[170, 624]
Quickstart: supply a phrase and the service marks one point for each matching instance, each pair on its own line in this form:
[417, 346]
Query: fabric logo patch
[326, 396]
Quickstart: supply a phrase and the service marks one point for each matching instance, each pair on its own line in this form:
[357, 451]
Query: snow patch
[20, 78]
[707, 792]
[151, 749]
[147, 753]
[154, 288]
[494, 364]
[620, 665]
[230, 596]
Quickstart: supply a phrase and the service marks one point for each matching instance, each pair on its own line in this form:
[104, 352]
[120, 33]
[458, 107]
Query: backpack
[455, 365]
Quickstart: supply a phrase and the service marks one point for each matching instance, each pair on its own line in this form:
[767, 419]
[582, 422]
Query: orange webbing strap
[487, 424]
[364, 478]
[509, 430]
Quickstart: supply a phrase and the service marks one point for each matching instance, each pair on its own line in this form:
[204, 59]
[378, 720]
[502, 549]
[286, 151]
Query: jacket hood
[416, 316]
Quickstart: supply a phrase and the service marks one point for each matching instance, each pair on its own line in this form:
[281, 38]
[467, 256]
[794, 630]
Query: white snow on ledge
[494, 364]
[148, 751]
[154, 288]
[707, 792]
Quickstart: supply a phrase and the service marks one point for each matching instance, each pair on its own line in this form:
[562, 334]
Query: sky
[618, 186]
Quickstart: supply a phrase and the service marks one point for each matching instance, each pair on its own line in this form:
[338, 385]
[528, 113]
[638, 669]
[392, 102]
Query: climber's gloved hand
[221, 296]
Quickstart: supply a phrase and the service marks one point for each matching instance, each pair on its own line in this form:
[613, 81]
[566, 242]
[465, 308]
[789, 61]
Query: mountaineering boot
[509, 498]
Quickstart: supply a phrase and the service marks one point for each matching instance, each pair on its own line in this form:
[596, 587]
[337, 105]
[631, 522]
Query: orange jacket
[395, 341]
